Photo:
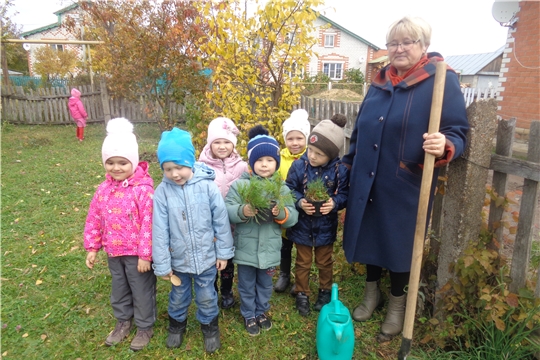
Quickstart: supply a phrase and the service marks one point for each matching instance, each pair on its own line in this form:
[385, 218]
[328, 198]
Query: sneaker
[302, 304]
[141, 339]
[120, 332]
[322, 299]
[252, 327]
[264, 322]
[227, 300]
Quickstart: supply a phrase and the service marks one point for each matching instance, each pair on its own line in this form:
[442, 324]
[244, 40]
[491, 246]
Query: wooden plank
[522, 168]
[505, 139]
[523, 242]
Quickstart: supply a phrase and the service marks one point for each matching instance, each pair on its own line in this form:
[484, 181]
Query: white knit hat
[298, 121]
[120, 141]
[222, 128]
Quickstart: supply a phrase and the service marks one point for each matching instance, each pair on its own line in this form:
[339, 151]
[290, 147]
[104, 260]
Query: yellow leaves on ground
[39, 282]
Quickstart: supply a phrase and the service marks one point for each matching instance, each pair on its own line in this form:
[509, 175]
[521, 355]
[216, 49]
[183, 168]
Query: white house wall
[349, 50]
[56, 32]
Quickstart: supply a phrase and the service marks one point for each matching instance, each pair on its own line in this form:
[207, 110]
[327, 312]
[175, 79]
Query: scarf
[423, 69]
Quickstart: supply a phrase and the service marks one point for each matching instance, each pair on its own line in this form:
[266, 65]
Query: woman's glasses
[406, 45]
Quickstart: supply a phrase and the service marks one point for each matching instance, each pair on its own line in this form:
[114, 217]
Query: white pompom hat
[120, 141]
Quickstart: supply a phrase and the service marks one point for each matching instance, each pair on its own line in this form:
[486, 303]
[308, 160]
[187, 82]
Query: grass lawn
[55, 307]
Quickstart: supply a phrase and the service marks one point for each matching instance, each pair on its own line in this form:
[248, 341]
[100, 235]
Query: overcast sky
[459, 26]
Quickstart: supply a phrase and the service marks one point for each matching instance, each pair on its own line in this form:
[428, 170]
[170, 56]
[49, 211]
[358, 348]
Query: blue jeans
[206, 296]
[255, 288]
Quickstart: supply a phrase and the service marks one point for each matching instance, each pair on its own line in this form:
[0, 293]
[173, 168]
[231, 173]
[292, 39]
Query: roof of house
[336, 25]
[51, 26]
[472, 64]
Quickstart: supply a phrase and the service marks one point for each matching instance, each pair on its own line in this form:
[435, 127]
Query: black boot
[284, 279]
[176, 333]
[211, 336]
[322, 299]
[302, 304]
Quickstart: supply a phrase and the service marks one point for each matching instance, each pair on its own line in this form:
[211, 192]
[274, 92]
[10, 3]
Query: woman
[386, 156]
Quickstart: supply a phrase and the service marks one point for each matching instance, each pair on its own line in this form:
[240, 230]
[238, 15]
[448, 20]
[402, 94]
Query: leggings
[398, 281]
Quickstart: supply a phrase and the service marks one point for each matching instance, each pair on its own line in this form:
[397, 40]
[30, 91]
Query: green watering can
[335, 331]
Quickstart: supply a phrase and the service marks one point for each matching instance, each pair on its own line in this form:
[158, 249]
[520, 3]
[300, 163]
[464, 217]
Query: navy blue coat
[317, 230]
[385, 156]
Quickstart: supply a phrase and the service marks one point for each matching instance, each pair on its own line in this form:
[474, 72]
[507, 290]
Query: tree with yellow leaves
[256, 61]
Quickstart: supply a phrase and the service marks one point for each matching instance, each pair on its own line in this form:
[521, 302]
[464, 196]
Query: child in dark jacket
[318, 233]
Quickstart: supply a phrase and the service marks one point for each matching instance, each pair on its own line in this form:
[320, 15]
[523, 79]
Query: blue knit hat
[176, 146]
[261, 144]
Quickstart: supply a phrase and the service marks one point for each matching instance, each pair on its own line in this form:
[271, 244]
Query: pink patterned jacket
[120, 216]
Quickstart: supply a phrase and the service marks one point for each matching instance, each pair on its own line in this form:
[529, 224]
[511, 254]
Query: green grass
[54, 307]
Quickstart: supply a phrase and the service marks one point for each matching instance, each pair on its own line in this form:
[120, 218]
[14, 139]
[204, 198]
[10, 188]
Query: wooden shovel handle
[421, 217]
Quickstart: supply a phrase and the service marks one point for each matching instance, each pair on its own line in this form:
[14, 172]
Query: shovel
[421, 217]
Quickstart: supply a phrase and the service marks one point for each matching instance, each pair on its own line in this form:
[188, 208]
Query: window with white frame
[333, 70]
[329, 40]
[57, 47]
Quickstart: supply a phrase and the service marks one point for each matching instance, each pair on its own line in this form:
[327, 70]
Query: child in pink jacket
[78, 113]
[220, 154]
[119, 221]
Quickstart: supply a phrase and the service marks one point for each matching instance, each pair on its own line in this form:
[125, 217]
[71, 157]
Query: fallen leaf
[76, 209]
[16, 220]
[74, 248]
[34, 265]
[18, 161]
[63, 276]
[4, 353]
[44, 269]
[34, 251]
[46, 316]
[87, 311]
[39, 282]
[7, 252]
[57, 164]
[43, 337]
[25, 335]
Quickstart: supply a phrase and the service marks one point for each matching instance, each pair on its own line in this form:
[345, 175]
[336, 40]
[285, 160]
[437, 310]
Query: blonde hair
[415, 27]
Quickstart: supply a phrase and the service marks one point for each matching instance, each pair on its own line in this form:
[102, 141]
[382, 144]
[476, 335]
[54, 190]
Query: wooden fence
[50, 106]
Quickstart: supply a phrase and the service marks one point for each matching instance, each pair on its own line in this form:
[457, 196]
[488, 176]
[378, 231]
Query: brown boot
[141, 339]
[120, 332]
[393, 323]
[372, 300]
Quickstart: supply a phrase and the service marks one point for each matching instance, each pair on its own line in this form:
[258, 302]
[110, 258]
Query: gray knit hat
[328, 135]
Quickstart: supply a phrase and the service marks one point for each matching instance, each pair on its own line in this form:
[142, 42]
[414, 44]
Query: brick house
[339, 49]
[518, 92]
[54, 31]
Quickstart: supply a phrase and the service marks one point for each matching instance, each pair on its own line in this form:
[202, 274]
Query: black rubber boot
[211, 336]
[176, 333]
[284, 279]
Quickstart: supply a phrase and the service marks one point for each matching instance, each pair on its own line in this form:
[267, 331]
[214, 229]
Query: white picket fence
[473, 94]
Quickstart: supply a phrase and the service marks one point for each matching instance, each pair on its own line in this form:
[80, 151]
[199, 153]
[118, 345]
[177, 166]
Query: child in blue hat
[191, 237]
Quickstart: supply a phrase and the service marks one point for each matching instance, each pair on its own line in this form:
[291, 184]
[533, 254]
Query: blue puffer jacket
[321, 230]
[185, 222]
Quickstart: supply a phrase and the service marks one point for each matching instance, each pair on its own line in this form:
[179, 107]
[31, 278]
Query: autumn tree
[52, 63]
[256, 60]
[150, 48]
[13, 56]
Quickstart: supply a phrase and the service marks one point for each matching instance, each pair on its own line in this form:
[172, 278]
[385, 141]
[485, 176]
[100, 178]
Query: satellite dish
[504, 11]
[26, 46]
